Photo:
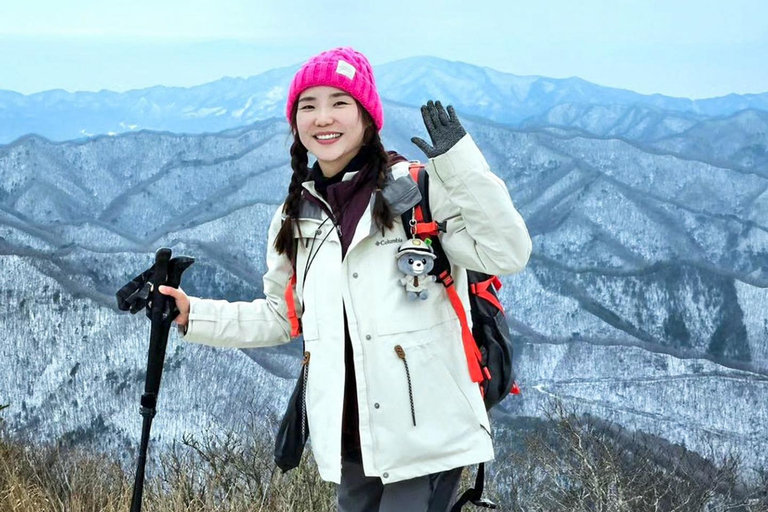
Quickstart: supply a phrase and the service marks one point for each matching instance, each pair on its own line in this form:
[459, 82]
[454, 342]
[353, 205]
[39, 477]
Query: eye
[410, 261]
[424, 261]
[342, 103]
[306, 107]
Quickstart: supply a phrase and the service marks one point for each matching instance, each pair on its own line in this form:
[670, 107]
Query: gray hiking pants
[429, 493]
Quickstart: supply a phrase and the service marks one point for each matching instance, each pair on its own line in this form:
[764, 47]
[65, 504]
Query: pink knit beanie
[345, 69]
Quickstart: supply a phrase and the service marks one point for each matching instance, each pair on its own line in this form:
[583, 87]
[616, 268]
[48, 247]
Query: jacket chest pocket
[314, 245]
[395, 313]
[304, 239]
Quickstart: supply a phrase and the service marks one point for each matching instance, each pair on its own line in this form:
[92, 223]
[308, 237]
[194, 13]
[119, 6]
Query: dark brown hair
[377, 166]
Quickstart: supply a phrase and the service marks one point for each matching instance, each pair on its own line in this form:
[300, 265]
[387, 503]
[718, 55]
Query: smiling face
[331, 127]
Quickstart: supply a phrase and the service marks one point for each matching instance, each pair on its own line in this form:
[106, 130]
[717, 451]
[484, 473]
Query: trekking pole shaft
[138, 484]
[158, 341]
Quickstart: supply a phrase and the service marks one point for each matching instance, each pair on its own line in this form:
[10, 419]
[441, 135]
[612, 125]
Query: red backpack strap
[292, 316]
[413, 168]
[481, 290]
[421, 229]
[471, 351]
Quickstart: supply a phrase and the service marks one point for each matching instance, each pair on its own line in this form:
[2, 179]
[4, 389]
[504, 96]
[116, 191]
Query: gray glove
[445, 130]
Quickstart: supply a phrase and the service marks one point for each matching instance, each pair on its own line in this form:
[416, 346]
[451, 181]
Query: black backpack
[490, 331]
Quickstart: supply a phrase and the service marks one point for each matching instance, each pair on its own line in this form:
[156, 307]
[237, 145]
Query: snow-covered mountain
[739, 141]
[632, 122]
[474, 91]
[212, 107]
[644, 302]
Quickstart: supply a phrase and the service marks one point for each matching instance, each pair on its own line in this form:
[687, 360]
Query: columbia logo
[389, 241]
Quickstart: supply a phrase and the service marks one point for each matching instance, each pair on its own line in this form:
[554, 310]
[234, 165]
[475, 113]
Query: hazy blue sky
[690, 48]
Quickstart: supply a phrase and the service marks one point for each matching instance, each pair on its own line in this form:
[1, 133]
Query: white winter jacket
[409, 358]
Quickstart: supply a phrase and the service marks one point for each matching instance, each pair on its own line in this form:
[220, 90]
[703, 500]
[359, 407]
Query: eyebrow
[333, 95]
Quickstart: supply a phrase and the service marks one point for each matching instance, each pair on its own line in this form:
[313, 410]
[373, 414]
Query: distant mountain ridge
[232, 102]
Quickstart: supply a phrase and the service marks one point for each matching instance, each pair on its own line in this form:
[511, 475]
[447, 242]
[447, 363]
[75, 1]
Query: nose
[323, 117]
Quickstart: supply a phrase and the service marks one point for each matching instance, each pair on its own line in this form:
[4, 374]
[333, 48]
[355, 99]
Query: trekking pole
[142, 293]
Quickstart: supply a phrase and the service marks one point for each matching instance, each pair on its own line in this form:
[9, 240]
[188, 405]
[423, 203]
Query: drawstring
[310, 260]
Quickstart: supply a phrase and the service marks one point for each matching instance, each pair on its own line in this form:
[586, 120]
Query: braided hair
[378, 164]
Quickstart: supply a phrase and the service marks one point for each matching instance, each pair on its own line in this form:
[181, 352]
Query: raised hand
[443, 128]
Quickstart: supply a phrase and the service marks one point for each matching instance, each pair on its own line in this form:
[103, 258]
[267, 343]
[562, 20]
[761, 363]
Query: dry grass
[580, 464]
[585, 464]
[218, 474]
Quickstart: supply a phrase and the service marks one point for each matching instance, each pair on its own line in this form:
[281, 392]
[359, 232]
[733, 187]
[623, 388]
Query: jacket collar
[317, 184]
[400, 191]
[348, 173]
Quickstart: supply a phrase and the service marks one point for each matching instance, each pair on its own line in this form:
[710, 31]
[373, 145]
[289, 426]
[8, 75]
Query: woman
[393, 413]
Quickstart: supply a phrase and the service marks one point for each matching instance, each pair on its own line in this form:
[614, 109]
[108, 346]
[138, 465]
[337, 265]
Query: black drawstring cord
[312, 258]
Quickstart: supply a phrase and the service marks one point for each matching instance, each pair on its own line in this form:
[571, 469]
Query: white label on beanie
[346, 69]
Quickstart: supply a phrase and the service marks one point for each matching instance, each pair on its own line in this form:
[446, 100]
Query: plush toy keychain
[415, 258]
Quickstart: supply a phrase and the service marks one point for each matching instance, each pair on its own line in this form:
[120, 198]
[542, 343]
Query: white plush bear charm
[415, 259]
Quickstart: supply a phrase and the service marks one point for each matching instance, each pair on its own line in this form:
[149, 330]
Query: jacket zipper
[401, 354]
[305, 369]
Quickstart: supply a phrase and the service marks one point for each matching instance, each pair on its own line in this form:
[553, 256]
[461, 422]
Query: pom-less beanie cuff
[345, 69]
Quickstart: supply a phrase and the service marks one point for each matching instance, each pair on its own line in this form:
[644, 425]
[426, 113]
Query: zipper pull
[305, 361]
[400, 352]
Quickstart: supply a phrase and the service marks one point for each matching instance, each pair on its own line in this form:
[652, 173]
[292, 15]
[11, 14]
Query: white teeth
[328, 137]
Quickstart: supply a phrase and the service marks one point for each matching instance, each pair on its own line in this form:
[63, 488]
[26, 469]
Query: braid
[382, 213]
[299, 161]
